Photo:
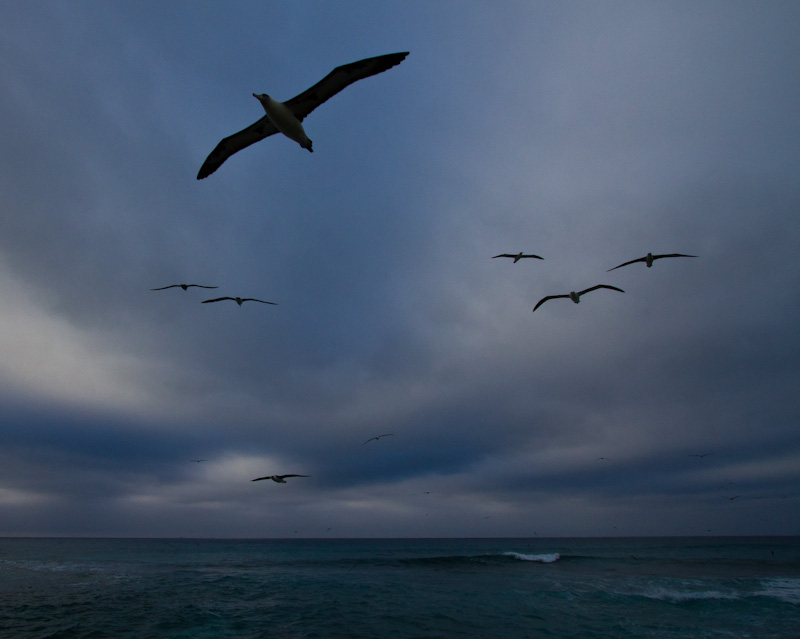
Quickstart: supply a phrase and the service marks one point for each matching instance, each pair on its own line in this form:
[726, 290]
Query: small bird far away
[183, 286]
[518, 256]
[238, 300]
[378, 437]
[281, 479]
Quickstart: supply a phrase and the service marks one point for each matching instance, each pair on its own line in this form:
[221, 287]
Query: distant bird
[602, 459]
[649, 258]
[575, 297]
[197, 461]
[238, 300]
[183, 286]
[699, 454]
[731, 498]
[286, 117]
[378, 437]
[518, 256]
[281, 479]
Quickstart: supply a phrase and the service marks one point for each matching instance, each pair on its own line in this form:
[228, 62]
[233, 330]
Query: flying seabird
[281, 479]
[378, 437]
[197, 461]
[238, 300]
[183, 286]
[575, 297]
[649, 258]
[518, 256]
[286, 117]
[699, 454]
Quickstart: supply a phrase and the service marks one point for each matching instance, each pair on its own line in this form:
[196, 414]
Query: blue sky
[588, 133]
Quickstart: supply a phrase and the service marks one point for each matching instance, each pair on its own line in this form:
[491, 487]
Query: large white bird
[649, 258]
[576, 297]
[287, 117]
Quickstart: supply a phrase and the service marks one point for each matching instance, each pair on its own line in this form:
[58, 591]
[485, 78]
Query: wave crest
[546, 558]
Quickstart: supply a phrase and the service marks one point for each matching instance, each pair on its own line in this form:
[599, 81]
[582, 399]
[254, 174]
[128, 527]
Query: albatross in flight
[238, 300]
[183, 286]
[287, 117]
[518, 256]
[649, 258]
[575, 297]
[281, 479]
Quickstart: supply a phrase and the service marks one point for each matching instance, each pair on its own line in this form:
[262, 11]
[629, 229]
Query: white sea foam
[786, 589]
[548, 558]
[687, 595]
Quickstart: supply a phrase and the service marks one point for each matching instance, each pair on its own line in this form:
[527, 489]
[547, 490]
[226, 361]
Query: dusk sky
[589, 133]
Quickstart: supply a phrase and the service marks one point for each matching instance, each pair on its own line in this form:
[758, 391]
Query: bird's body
[699, 455]
[287, 117]
[183, 286]
[238, 300]
[378, 437]
[284, 120]
[576, 297]
[650, 258]
[517, 257]
[281, 479]
[197, 461]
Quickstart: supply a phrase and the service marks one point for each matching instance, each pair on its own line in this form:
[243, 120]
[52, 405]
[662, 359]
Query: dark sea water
[421, 588]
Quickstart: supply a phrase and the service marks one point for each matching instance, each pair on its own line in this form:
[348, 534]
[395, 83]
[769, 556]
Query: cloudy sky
[587, 133]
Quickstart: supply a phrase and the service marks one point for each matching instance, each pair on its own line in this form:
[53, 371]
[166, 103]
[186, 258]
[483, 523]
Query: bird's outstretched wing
[341, 78]
[253, 299]
[641, 259]
[655, 257]
[163, 288]
[594, 288]
[234, 143]
[219, 299]
[544, 299]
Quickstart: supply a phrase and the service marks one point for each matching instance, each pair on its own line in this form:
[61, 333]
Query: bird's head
[261, 97]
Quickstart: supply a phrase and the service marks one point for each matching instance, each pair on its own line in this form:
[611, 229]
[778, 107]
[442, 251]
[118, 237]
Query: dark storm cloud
[588, 134]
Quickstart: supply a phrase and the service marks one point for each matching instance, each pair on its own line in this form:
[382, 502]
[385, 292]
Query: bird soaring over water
[183, 286]
[649, 258]
[281, 479]
[287, 117]
[238, 300]
[575, 297]
[518, 256]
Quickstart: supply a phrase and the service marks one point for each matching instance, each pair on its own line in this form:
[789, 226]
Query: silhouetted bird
[183, 286]
[649, 258]
[286, 117]
[378, 437]
[575, 297]
[238, 300]
[281, 479]
[518, 256]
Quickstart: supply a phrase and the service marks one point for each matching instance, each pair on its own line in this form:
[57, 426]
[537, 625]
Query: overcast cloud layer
[587, 133]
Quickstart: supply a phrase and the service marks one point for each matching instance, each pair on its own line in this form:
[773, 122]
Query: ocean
[680, 588]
